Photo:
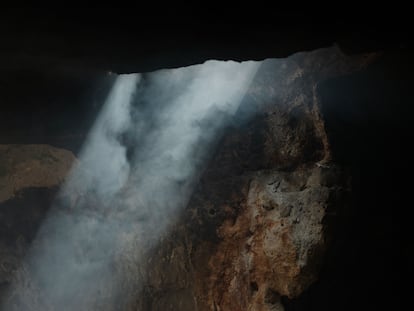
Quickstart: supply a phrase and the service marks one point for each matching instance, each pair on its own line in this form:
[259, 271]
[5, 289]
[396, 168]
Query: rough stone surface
[274, 246]
[24, 166]
[258, 225]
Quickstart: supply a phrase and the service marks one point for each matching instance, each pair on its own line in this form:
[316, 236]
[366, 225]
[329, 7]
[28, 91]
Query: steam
[134, 176]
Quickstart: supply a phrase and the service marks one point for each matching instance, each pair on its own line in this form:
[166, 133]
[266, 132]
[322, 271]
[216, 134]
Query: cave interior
[56, 69]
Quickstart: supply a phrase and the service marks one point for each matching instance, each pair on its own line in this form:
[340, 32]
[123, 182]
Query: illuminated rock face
[29, 178]
[275, 245]
[259, 223]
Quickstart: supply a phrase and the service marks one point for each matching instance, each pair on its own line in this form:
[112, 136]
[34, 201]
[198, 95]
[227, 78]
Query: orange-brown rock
[273, 247]
[25, 166]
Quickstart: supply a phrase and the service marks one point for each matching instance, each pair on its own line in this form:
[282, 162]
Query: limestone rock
[274, 247]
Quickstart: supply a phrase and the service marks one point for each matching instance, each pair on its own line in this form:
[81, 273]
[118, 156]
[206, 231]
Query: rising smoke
[135, 174]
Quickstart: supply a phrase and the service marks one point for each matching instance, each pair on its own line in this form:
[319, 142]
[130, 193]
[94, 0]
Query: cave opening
[300, 205]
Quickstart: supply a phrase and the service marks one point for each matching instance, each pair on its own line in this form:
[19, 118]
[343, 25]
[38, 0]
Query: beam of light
[135, 174]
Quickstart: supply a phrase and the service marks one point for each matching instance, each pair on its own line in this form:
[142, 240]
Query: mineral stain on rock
[270, 250]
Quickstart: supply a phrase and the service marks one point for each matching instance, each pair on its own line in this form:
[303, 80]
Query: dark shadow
[370, 122]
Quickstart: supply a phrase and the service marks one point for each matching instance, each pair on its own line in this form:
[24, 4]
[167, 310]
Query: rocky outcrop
[259, 223]
[26, 166]
[118, 39]
[275, 245]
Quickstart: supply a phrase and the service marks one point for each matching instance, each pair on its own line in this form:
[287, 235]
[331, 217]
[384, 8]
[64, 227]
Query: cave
[294, 199]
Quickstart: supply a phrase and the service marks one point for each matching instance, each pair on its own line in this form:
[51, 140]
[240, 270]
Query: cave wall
[258, 225]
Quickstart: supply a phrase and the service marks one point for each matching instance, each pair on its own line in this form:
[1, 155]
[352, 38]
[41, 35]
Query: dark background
[369, 119]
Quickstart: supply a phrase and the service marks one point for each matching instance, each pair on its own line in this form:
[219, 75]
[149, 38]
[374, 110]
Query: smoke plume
[134, 175]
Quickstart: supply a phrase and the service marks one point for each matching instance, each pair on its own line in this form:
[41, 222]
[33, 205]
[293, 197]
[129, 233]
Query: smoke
[135, 174]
